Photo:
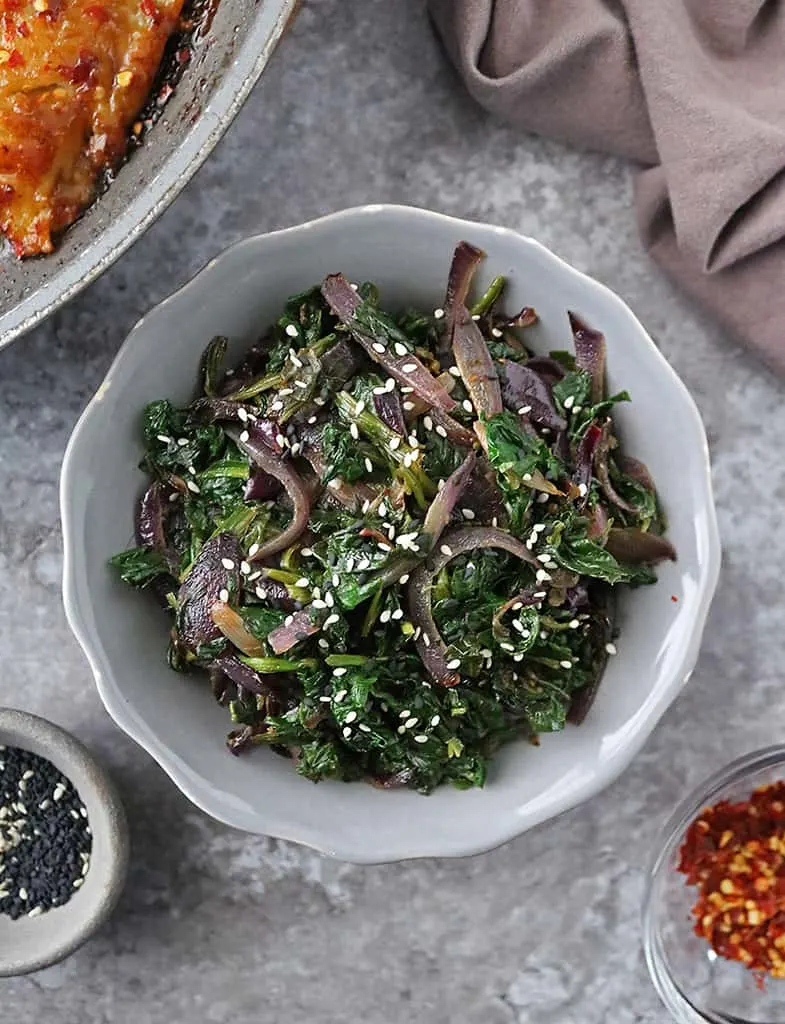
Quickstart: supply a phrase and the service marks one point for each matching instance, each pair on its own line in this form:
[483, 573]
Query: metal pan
[225, 65]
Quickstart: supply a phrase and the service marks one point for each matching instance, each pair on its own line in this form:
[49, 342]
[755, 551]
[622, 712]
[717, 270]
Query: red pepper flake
[674, 599]
[735, 854]
[83, 72]
[16, 60]
[98, 13]
[150, 8]
[23, 29]
[6, 193]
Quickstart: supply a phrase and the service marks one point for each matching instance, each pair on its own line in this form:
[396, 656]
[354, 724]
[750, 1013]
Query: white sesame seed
[421, 739]
[303, 582]
[426, 640]
[496, 332]
[485, 653]
[440, 430]
[286, 392]
[544, 558]
[311, 420]
[405, 389]
[318, 603]
[409, 367]
[245, 568]
[301, 384]
[363, 727]
[413, 441]
[445, 549]
[411, 722]
[541, 575]
[455, 663]
[583, 490]
[223, 595]
[294, 359]
[280, 440]
[382, 510]
[331, 619]
[338, 698]
[404, 714]
[539, 527]
[346, 732]
[517, 657]
[541, 595]
[378, 347]
[506, 646]
[276, 406]
[349, 563]
[326, 700]
[467, 405]
[438, 313]
[292, 331]
[455, 371]
[335, 483]
[427, 422]
[260, 593]
[354, 431]
[394, 443]
[296, 448]
[610, 648]
[359, 407]
[566, 664]
[379, 391]
[524, 410]
[163, 439]
[544, 498]
[569, 401]
[576, 409]
[174, 496]
[23, 894]
[517, 624]
[475, 317]
[363, 564]
[192, 486]
[242, 415]
[368, 464]
[407, 460]
[408, 406]
[305, 552]
[329, 600]
[182, 442]
[404, 578]
[288, 620]
[389, 384]
[390, 532]
[527, 477]
[354, 287]
[319, 400]
[340, 671]
[28, 775]
[227, 563]
[397, 614]
[400, 349]
[35, 912]
[385, 616]
[517, 606]
[574, 624]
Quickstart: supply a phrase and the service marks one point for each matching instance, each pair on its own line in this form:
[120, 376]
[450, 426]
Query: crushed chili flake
[735, 854]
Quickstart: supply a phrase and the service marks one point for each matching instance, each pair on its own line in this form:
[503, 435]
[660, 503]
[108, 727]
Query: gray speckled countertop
[357, 106]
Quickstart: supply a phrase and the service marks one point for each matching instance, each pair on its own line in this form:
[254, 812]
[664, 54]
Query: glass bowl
[693, 982]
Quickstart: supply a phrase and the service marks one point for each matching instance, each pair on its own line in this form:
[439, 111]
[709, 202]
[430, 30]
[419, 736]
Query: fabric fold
[688, 89]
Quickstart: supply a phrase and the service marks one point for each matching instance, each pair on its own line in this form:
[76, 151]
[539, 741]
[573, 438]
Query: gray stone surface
[358, 105]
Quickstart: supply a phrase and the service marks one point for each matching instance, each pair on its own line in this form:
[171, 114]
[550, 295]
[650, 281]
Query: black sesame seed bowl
[63, 844]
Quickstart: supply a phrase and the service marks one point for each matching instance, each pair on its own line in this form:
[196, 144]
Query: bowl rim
[107, 817]
[670, 834]
[298, 831]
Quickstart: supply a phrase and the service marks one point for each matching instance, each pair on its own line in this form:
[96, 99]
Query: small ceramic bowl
[407, 253]
[696, 985]
[29, 944]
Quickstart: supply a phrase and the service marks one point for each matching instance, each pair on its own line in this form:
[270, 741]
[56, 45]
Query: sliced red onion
[637, 470]
[441, 508]
[150, 516]
[284, 637]
[476, 366]
[214, 409]
[589, 354]
[599, 522]
[256, 448]
[407, 369]
[261, 486]
[601, 455]
[455, 542]
[216, 568]
[243, 676]
[465, 260]
[638, 547]
[551, 370]
[584, 460]
[525, 598]
[390, 411]
[524, 388]
[526, 318]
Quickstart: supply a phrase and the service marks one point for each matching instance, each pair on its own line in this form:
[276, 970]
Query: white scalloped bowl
[407, 252]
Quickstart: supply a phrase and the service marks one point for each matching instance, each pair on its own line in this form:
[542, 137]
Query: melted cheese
[73, 76]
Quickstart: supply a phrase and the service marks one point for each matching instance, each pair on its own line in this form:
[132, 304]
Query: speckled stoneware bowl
[29, 944]
[407, 252]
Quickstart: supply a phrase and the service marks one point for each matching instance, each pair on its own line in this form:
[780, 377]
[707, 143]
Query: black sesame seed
[43, 835]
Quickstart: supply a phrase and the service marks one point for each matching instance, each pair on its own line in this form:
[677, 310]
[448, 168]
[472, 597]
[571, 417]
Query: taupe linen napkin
[692, 90]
